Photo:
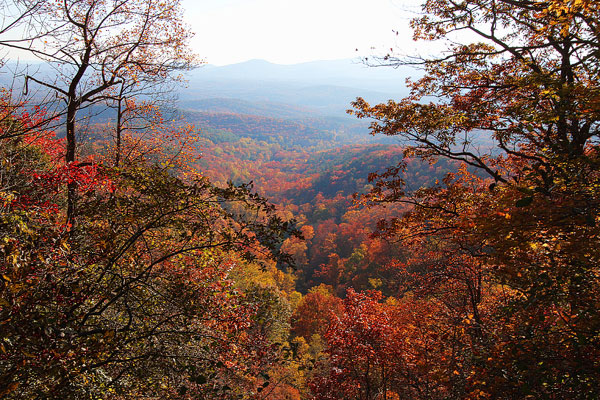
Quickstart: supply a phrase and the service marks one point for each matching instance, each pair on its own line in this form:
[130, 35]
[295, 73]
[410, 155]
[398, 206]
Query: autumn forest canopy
[158, 243]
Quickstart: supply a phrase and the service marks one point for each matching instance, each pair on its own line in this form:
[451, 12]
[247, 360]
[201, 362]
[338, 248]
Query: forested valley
[247, 238]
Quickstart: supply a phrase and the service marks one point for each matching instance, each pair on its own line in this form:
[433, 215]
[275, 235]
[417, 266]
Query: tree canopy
[507, 243]
[468, 269]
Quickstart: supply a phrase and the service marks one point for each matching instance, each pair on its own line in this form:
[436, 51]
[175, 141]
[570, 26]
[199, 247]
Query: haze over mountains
[258, 87]
[321, 88]
[297, 98]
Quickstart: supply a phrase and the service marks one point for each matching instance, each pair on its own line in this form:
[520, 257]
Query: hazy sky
[292, 31]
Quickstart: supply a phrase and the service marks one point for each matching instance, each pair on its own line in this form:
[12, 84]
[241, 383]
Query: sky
[294, 31]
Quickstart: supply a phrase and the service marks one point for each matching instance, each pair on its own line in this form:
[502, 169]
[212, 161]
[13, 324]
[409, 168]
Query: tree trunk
[69, 161]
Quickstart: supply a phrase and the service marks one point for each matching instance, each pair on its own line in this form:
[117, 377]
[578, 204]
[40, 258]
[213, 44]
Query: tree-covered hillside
[251, 242]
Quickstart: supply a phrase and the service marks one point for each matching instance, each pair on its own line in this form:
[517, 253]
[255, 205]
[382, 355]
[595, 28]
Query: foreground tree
[138, 301]
[100, 49]
[518, 225]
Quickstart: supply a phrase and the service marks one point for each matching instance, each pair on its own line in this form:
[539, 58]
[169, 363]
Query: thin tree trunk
[119, 129]
[69, 160]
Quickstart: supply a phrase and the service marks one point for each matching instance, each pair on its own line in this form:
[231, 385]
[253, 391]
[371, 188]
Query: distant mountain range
[347, 72]
[320, 87]
[257, 86]
[315, 94]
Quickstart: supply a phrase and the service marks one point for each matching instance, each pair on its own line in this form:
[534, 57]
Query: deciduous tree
[139, 300]
[521, 218]
[98, 46]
